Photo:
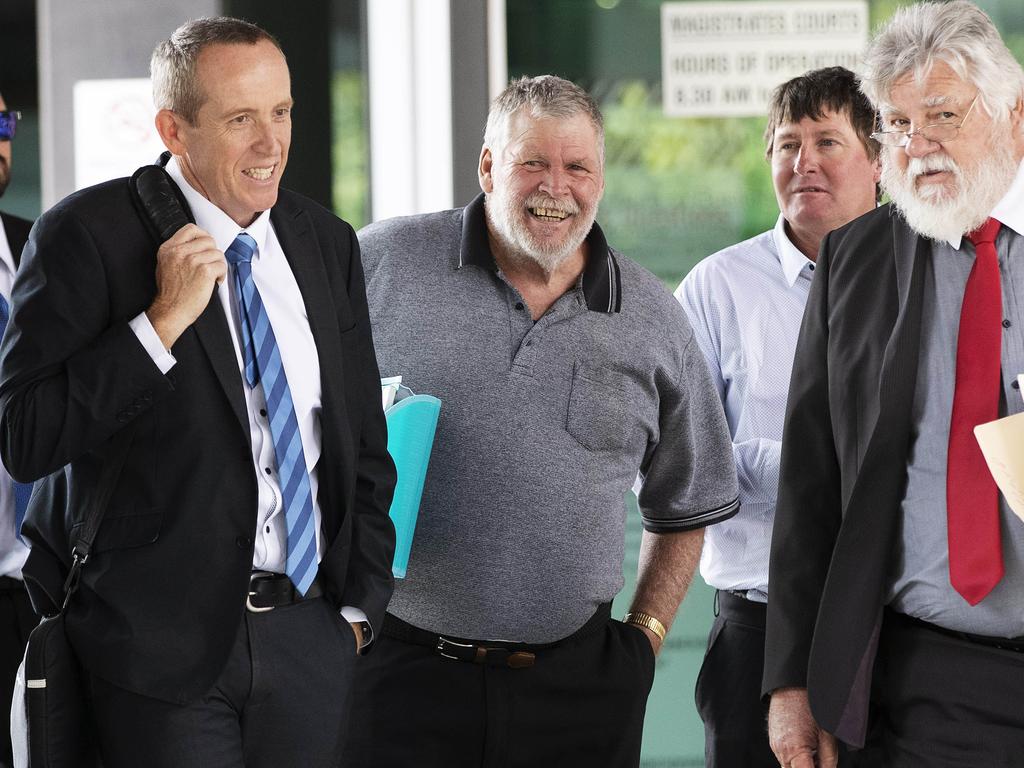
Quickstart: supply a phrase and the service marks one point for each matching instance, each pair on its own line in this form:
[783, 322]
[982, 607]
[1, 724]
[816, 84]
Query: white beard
[506, 215]
[932, 211]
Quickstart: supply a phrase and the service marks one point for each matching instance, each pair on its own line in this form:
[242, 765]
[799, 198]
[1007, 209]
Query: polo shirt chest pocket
[598, 413]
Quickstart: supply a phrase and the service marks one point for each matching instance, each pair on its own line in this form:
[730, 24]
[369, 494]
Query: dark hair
[173, 64]
[834, 89]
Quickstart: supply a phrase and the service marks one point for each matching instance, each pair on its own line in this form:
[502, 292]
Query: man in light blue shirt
[745, 304]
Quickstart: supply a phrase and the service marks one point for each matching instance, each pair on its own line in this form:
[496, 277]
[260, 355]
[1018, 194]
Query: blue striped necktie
[22, 491]
[262, 360]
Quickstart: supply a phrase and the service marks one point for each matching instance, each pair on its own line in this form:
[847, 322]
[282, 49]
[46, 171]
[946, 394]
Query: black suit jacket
[17, 230]
[163, 594]
[843, 474]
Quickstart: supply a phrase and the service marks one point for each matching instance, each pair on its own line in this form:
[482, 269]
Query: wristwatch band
[641, 619]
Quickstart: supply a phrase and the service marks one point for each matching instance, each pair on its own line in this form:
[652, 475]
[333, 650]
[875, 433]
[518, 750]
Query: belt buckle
[443, 642]
[254, 608]
[248, 598]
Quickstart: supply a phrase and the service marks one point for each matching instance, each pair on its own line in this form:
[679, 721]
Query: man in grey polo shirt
[565, 370]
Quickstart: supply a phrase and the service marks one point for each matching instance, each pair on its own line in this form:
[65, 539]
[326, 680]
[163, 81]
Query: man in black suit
[257, 445]
[16, 617]
[896, 567]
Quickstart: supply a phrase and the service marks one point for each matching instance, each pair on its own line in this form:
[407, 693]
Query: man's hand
[187, 268]
[795, 738]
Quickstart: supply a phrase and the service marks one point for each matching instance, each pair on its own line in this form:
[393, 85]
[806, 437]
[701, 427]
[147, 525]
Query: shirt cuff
[354, 615]
[147, 335]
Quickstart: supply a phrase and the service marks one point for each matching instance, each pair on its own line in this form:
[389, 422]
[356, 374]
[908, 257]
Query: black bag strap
[82, 548]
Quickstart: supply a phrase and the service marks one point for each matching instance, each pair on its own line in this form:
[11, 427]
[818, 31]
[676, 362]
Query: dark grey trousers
[282, 700]
[944, 702]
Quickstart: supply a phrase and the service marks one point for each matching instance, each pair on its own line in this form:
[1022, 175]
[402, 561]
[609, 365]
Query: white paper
[1002, 444]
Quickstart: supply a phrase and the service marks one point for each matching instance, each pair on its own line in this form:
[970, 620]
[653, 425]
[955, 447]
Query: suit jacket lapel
[212, 329]
[301, 245]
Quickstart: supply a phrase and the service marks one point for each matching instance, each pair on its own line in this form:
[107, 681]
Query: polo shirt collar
[602, 282]
[791, 258]
[222, 228]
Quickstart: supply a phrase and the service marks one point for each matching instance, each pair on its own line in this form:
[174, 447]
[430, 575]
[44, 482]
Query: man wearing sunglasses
[896, 567]
[16, 616]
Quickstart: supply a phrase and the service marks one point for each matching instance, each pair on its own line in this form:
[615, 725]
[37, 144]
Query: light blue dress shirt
[745, 304]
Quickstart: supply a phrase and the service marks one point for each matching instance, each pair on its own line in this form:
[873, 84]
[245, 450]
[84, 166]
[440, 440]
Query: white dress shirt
[13, 552]
[745, 304]
[287, 313]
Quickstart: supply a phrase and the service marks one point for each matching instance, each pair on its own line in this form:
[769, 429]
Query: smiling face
[823, 177]
[543, 183]
[237, 150]
[945, 189]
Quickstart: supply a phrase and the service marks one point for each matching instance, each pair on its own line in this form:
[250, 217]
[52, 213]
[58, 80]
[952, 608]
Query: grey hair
[957, 33]
[173, 64]
[543, 96]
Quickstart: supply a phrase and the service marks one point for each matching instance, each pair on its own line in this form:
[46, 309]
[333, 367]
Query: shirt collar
[6, 256]
[222, 228]
[602, 282]
[791, 258]
[1009, 210]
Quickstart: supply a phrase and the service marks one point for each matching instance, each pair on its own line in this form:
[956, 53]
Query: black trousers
[582, 703]
[728, 691]
[944, 702]
[16, 622]
[281, 701]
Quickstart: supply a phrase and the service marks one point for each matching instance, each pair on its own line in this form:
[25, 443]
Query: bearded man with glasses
[896, 565]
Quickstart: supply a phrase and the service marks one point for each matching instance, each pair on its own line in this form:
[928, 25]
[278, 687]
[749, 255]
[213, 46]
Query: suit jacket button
[243, 542]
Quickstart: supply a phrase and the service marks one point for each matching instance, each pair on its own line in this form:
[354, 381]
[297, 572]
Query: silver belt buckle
[444, 641]
[253, 608]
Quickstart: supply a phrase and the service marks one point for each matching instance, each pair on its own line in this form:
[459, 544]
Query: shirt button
[243, 542]
[267, 470]
[811, 267]
[1015, 384]
[268, 529]
[519, 305]
[1007, 323]
[263, 411]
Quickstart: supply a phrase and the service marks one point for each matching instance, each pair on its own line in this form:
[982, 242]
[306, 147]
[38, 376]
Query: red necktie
[972, 499]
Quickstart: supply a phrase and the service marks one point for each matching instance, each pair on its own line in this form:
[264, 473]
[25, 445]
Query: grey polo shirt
[543, 429]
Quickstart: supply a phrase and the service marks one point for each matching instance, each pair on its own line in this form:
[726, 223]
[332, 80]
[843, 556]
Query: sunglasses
[8, 124]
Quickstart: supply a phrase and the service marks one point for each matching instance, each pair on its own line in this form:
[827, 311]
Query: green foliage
[678, 190]
[350, 152]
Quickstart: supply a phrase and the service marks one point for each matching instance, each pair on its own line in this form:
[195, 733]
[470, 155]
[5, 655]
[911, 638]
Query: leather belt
[737, 608]
[1015, 644]
[490, 652]
[268, 591]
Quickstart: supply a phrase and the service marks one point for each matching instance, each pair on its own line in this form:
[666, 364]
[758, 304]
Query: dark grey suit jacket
[843, 473]
[17, 230]
[164, 591]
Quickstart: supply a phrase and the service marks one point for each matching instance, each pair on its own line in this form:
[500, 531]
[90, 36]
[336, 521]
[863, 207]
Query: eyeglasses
[937, 132]
[8, 124]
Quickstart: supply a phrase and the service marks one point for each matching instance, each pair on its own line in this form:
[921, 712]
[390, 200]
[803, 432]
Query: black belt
[1015, 644]
[741, 610]
[268, 591]
[491, 652]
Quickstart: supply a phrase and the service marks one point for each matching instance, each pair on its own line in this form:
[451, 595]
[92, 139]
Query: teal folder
[412, 422]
